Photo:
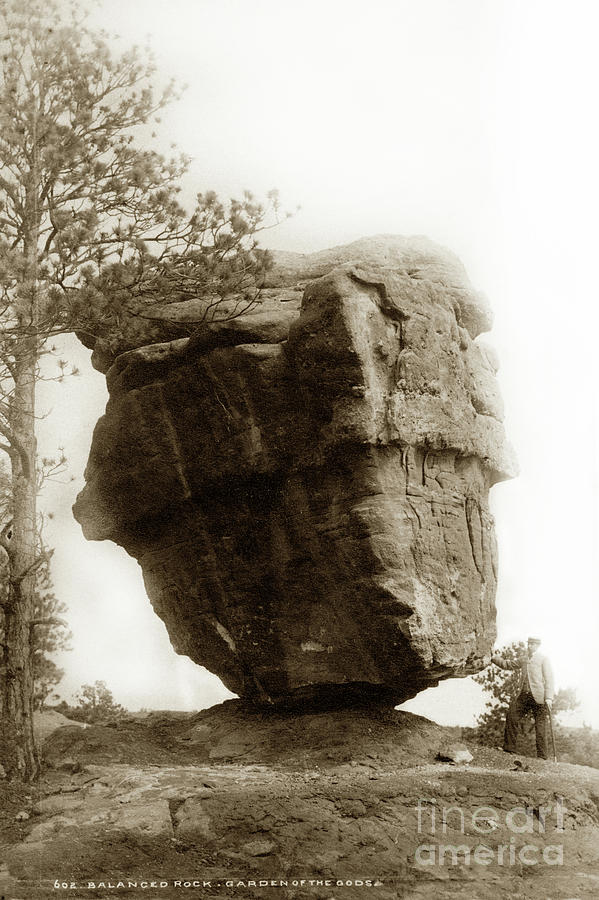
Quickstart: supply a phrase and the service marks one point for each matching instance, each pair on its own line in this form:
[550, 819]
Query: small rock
[22, 816]
[258, 848]
[355, 808]
[456, 753]
[57, 803]
[50, 828]
[192, 822]
[200, 734]
[151, 819]
[98, 788]
[2, 772]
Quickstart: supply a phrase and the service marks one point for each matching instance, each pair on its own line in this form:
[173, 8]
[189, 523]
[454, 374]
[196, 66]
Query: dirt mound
[46, 721]
[335, 806]
[231, 732]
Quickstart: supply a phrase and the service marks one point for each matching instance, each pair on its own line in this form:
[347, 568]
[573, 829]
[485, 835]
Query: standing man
[535, 695]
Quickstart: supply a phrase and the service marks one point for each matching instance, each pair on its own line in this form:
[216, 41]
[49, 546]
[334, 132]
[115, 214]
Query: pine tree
[49, 634]
[500, 686]
[95, 703]
[89, 221]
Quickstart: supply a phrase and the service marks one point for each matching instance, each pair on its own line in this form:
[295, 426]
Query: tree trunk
[19, 753]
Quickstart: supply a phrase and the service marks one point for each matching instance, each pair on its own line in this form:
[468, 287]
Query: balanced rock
[306, 486]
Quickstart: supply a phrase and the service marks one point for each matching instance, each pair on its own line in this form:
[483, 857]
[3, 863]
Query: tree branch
[16, 447]
[51, 620]
[35, 565]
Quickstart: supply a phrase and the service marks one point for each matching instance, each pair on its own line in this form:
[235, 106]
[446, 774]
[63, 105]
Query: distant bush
[578, 745]
[96, 704]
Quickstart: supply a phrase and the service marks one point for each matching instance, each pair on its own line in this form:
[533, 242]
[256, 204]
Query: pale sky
[470, 121]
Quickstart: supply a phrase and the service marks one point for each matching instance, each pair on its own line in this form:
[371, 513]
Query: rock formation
[306, 486]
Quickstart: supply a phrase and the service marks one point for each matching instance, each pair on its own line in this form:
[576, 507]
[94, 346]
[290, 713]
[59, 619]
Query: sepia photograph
[299, 500]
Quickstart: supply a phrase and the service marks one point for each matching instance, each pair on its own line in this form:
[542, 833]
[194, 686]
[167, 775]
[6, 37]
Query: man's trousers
[523, 704]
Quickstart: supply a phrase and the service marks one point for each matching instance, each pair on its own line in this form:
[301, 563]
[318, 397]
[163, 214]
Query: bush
[96, 704]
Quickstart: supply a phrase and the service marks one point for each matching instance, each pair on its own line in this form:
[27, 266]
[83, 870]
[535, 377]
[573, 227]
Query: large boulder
[306, 487]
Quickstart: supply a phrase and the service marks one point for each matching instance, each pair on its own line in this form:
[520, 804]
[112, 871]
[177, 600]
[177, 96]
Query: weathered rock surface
[306, 486]
[319, 803]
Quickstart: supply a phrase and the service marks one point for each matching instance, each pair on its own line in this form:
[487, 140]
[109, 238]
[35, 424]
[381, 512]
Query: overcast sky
[470, 121]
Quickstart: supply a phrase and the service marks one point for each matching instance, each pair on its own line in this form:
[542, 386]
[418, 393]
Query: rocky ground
[345, 804]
